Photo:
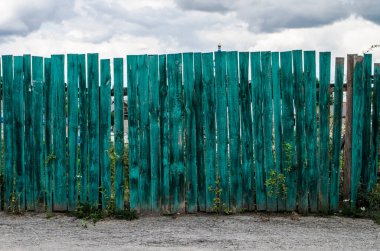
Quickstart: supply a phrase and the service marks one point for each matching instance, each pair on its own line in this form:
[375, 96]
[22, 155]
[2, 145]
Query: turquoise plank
[19, 136]
[246, 133]
[72, 93]
[176, 160]
[191, 139]
[83, 130]
[234, 131]
[93, 128]
[221, 124]
[59, 133]
[134, 172]
[30, 183]
[367, 81]
[105, 131]
[337, 134]
[199, 131]
[37, 102]
[257, 107]
[208, 101]
[154, 133]
[48, 161]
[324, 131]
[311, 181]
[269, 166]
[357, 128]
[277, 120]
[375, 126]
[118, 85]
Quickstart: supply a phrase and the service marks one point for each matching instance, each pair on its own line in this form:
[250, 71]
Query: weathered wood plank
[118, 84]
[257, 108]
[337, 134]
[105, 131]
[246, 133]
[375, 127]
[208, 100]
[191, 139]
[324, 131]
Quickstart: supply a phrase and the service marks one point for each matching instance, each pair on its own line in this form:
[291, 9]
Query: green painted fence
[231, 131]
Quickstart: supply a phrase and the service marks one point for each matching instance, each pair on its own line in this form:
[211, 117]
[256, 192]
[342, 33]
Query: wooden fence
[252, 131]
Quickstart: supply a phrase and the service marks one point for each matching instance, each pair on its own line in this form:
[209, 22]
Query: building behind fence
[234, 130]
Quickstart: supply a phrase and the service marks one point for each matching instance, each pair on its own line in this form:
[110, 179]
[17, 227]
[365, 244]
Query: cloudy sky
[115, 28]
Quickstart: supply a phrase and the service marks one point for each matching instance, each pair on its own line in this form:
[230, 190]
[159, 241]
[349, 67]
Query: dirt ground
[188, 232]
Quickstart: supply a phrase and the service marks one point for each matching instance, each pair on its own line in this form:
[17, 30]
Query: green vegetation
[276, 184]
[218, 207]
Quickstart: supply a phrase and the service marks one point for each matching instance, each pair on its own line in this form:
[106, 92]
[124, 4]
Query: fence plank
[30, 183]
[19, 136]
[177, 172]
[257, 91]
[165, 198]
[93, 128]
[191, 140]
[367, 81]
[48, 162]
[324, 130]
[234, 130]
[375, 126]
[357, 128]
[310, 179]
[208, 97]
[83, 127]
[288, 168]
[72, 96]
[246, 133]
[299, 102]
[37, 97]
[337, 134]
[59, 133]
[221, 125]
[119, 132]
[277, 120]
[154, 97]
[199, 131]
[269, 166]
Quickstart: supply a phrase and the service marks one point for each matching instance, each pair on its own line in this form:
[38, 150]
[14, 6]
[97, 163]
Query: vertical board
[164, 135]
[28, 147]
[72, 96]
[154, 124]
[93, 128]
[143, 103]
[324, 130]
[234, 131]
[191, 140]
[246, 133]
[337, 134]
[105, 131]
[277, 120]
[299, 102]
[269, 166]
[48, 162]
[208, 100]
[59, 133]
[357, 128]
[367, 81]
[221, 125]
[257, 108]
[18, 109]
[198, 89]
[37, 150]
[7, 76]
[176, 157]
[118, 85]
[309, 176]
[288, 168]
[83, 129]
[375, 127]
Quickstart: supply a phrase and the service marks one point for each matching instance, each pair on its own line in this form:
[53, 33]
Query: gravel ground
[188, 232]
